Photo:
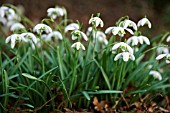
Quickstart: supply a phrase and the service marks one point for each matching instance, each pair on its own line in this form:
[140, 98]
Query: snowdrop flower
[77, 34]
[3, 10]
[123, 46]
[29, 37]
[166, 56]
[155, 74]
[70, 27]
[3, 20]
[161, 50]
[118, 31]
[39, 28]
[14, 38]
[89, 30]
[144, 21]
[168, 39]
[78, 46]
[138, 39]
[101, 37]
[16, 27]
[55, 34]
[96, 21]
[126, 56]
[128, 23]
[54, 12]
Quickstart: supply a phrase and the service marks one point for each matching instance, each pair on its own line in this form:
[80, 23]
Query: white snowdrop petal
[146, 40]
[16, 26]
[130, 31]
[74, 37]
[155, 74]
[12, 45]
[168, 39]
[8, 39]
[160, 56]
[117, 56]
[109, 30]
[90, 21]
[84, 36]
[132, 57]
[167, 61]
[129, 49]
[125, 56]
[72, 26]
[116, 46]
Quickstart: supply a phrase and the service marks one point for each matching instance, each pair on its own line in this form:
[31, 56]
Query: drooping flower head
[56, 12]
[128, 23]
[76, 34]
[144, 21]
[55, 34]
[71, 27]
[78, 46]
[134, 40]
[125, 55]
[96, 21]
[162, 50]
[29, 37]
[39, 28]
[123, 46]
[99, 35]
[17, 27]
[155, 74]
[14, 38]
[118, 31]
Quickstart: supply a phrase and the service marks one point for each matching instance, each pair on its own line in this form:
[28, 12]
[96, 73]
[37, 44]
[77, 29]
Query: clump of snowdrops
[58, 63]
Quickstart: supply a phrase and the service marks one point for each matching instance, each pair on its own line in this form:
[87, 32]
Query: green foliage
[33, 78]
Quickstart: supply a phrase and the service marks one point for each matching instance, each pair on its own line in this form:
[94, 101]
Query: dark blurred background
[158, 11]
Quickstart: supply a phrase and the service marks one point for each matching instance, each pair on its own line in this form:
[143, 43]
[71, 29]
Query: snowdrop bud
[144, 21]
[39, 28]
[168, 39]
[78, 46]
[96, 21]
[155, 74]
[70, 27]
[16, 27]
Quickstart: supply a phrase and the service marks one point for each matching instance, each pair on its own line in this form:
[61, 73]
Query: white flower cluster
[123, 26]
[31, 38]
[56, 12]
[126, 51]
[8, 17]
[99, 35]
[76, 34]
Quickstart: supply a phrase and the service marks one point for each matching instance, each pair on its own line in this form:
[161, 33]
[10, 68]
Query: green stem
[42, 56]
[119, 77]
[74, 74]
[60, 63]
